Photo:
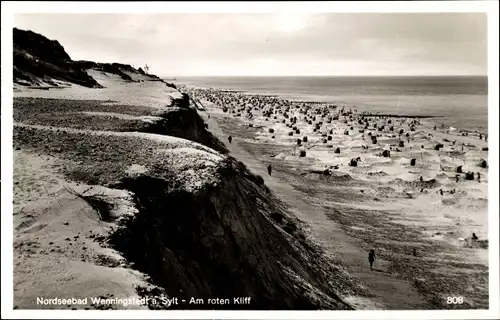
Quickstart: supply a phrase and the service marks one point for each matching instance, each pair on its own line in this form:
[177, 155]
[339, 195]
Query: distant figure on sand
[421, 179]
[478, 177]
[371, 258]
[230, 139]
[414, 252]
[474, 237]
[441, 191]
[457, 177]
[269, 169]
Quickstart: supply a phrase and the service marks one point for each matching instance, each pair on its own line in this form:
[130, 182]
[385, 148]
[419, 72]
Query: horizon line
[325, 76]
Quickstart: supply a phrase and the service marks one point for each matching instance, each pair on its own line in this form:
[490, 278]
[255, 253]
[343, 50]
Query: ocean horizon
[185, 191]
[454, 101]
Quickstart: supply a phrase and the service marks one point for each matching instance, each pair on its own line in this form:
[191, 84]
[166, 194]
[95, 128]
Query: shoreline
[126, 186]
[292, 99]
[385, 187]
[148, 193]
[344, 210]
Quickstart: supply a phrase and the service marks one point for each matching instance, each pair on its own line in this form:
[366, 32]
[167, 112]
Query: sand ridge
[60, 230]
[54, 239]
[190, 211]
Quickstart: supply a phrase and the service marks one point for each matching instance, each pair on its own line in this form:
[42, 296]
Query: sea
[454, 101]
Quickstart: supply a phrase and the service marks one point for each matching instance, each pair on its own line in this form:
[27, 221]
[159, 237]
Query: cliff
[117, 198]
[39, 61]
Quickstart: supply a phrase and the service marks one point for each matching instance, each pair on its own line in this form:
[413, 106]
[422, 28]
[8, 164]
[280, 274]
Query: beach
[123, 194]
[452, 101]
[304, 189]
[330, 161]
[414, 191]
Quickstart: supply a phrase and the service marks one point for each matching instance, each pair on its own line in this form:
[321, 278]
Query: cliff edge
[126, 194]
[41, 62]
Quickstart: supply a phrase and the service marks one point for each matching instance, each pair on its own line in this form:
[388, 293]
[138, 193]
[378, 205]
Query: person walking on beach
[269, 169]
[371, 258]
[478, 177]
[230, 139]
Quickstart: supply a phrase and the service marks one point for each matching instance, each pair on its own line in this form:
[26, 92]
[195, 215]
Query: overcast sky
[270, 44]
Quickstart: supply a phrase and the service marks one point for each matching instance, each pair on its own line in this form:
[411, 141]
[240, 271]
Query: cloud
[356, 43]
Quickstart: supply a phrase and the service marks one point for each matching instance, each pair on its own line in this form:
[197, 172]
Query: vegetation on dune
[40, 61]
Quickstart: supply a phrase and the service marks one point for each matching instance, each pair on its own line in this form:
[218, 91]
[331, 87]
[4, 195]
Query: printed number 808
[455, 300]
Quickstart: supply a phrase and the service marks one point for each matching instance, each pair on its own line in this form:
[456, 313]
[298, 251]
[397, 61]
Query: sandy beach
[399, 185]
[327, 162]
[341, 191]
[119, 196]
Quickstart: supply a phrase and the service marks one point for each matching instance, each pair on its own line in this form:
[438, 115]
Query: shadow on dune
[224, 241]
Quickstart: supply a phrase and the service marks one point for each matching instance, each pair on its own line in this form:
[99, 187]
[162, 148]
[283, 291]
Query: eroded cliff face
[182, 120]
[202, 225]
[232, 238]
[199, 223]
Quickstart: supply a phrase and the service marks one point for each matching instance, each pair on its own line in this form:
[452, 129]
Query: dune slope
[122, 192]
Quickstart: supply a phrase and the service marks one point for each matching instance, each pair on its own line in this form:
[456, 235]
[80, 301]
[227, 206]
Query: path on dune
[389, 292]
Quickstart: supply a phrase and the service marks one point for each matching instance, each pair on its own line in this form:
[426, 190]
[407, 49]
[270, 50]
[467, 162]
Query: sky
[293, 44]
